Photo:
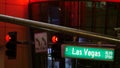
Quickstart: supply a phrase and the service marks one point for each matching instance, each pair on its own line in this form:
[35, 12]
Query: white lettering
[76, 52]
[92, 54]
[73, 52]
[85, 51]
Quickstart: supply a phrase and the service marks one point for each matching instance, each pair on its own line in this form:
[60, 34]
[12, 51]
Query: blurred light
[7, 38]
[54, 39]
[39, 0]
[81, 40]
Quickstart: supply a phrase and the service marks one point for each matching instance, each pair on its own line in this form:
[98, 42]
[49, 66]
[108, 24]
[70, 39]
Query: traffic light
[56, 45]
[57, 40]
[54, 39]
[11, 43]
[56, 51]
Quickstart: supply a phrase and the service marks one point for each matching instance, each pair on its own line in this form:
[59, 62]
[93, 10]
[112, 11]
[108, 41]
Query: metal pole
[62, 29]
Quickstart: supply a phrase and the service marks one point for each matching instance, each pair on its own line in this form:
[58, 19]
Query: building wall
[17, 8]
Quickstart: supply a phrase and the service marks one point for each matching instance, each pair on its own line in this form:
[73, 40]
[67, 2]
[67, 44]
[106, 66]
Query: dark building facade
[95, 16]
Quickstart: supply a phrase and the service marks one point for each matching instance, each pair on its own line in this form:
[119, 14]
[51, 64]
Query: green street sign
[85, 52]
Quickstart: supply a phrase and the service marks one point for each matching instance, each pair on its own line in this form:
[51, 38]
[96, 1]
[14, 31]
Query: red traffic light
[54, 39]
[11, 43]
[7, 38]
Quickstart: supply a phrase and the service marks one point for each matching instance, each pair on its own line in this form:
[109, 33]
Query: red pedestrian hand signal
[7, 38]
[54, 39]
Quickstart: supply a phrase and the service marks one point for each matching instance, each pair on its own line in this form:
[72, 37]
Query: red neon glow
[38, 0]
[7, 38]
[17, 2]
[54, 39]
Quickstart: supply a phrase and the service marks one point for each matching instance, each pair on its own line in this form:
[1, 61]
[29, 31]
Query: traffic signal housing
[11, 44]
[57, 40]
[56, 51]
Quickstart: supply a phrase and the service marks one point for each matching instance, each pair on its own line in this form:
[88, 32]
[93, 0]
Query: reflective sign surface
[93, 53]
